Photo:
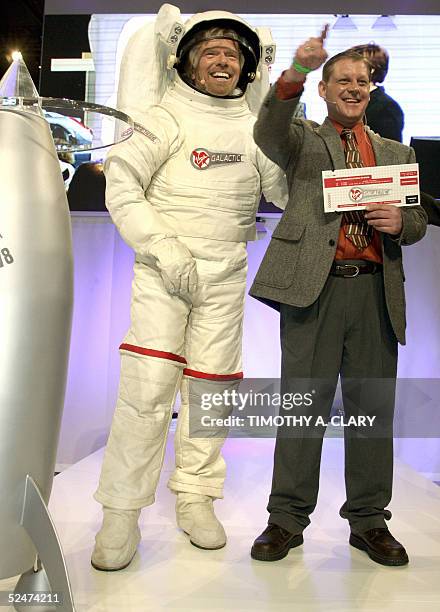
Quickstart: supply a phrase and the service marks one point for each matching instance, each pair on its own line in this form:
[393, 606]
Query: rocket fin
[40, 528]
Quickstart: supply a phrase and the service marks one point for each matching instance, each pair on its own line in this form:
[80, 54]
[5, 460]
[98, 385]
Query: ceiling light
[384, 22]
[344, 22]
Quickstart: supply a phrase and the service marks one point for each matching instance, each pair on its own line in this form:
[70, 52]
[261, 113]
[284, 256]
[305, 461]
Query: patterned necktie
[356, 228]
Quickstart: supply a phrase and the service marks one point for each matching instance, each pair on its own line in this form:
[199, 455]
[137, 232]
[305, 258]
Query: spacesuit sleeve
[273, 180]
[128, 169]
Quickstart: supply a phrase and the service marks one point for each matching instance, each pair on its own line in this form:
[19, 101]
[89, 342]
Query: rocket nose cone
[17, 82]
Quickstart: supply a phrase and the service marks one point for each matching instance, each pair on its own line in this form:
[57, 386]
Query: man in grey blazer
[338, 282]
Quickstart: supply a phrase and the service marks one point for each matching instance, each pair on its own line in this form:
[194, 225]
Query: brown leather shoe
[380, 546]
[274, 543]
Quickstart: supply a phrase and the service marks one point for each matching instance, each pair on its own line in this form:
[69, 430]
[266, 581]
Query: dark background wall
[64, 36]
[21, 27]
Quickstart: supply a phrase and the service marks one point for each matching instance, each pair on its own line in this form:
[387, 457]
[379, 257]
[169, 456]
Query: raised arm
[274, 132]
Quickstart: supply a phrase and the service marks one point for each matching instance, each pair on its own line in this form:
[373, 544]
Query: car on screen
[70, 131]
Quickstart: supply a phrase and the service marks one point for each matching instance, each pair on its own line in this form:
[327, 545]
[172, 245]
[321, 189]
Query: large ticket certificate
[353, 189]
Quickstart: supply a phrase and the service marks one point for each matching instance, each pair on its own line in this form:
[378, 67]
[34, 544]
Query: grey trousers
[346, 332]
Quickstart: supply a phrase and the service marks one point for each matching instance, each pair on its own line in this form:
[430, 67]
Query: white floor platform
[326, 574]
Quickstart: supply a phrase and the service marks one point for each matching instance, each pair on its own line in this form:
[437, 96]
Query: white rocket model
[36, 289]
[36, 295]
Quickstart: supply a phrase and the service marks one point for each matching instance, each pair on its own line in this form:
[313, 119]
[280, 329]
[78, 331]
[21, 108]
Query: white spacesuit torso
[200, 171]
[215, 161]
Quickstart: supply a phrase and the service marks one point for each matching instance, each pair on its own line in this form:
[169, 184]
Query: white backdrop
[103, 272]
[414, 48]
[103, 262]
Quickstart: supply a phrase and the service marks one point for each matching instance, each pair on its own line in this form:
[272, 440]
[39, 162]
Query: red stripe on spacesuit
[196, 374]
[152, 352]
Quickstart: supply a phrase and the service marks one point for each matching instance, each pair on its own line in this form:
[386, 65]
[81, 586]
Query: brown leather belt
[354, 268]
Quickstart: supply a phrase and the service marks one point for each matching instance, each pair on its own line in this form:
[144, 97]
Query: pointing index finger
[324, 32]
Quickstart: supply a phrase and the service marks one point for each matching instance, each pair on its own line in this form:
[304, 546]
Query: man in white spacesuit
[183, 193]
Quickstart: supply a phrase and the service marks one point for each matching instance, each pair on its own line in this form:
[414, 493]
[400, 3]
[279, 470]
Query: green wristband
[300, 68]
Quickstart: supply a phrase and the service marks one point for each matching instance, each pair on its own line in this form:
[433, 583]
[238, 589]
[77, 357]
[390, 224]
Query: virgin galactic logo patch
[202, 159]
[356, 194]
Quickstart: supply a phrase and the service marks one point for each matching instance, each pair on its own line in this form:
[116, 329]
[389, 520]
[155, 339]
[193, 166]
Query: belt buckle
[356, 268]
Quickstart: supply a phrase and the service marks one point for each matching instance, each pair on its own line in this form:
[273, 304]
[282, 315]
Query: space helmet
[246, 37]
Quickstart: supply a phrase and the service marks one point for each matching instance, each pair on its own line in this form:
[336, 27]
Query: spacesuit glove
[177, 267]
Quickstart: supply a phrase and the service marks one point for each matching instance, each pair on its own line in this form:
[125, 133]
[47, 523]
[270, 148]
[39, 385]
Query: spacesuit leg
[213, 350]
[135, 448]
[151, 372]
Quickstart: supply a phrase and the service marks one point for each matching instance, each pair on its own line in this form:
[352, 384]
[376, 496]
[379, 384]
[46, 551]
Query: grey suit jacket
[300, 254]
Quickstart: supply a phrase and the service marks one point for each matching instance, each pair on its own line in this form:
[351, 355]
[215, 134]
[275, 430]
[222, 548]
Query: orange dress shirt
[345, 248]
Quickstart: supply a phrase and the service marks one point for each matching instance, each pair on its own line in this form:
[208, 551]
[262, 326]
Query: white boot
[195, 515]
[117, 540]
